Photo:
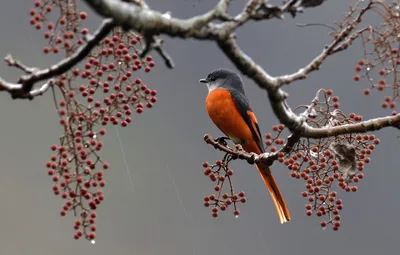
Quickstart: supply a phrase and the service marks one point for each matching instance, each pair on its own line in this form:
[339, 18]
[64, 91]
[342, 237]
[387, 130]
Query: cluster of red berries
[219, 173]
[379, 67]
[75, 171]
[105, 88]
[62, 34]
[316, 162]
[387, 78]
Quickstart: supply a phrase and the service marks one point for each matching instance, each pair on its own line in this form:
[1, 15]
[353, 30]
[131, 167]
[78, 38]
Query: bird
[229, 109]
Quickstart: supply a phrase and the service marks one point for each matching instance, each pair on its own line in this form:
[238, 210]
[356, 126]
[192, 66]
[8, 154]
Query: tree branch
[23, 88]
[265, 159]
[332, 48]
[362, 127]
[131, 16]
[17, 90]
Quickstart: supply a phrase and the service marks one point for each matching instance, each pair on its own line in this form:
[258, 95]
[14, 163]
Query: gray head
[223, 78]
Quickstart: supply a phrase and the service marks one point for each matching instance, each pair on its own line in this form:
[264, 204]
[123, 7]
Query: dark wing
[243, 105]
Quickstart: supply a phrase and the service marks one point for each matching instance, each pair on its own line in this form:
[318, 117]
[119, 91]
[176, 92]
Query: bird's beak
[203, 81]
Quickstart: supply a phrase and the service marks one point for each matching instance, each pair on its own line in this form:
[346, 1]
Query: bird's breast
[224, 113]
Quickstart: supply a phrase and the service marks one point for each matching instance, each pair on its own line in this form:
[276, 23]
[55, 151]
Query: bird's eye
[213, 78]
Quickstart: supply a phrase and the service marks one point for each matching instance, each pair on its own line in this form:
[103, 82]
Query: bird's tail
[276, 195]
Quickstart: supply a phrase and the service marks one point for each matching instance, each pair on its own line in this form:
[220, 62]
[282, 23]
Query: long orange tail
[276, 195]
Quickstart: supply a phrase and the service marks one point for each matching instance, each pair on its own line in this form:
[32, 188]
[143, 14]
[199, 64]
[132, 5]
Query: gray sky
[164, 146]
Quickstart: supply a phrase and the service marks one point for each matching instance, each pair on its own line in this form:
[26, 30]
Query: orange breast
[226, 116]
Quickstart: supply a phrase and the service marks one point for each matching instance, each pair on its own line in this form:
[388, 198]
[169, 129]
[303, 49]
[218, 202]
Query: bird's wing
[243, 105]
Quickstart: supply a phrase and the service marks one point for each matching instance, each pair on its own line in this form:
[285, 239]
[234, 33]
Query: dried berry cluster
[380, 64]
[326, 163]
[105, 88]
[219, 173]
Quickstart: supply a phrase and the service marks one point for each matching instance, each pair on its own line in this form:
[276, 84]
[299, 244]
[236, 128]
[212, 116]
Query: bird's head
[223, 78]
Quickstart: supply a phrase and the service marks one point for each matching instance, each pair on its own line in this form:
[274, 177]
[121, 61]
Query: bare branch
[131, 16]
[153, 42]
[298, 6]
[17, 90]
[237, 152]
[265, 159]
[362, 127]
[245, 64]
[15, 63]
[24, 85]
[156, 43]
[332, 48]
[267, 11]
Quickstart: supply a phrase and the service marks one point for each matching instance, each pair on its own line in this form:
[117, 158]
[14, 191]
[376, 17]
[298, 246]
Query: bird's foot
[222, 140]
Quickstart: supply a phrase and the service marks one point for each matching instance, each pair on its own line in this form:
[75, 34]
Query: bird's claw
[222, 140]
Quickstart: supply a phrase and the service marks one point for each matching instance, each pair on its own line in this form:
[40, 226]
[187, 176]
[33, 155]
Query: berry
[92, 235]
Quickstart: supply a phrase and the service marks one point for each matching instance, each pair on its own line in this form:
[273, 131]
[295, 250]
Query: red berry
[92, 235]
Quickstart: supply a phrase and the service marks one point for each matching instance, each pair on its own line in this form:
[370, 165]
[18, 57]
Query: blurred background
[164, 151]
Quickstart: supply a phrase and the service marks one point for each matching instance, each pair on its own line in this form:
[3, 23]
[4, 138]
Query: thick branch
[132, 16]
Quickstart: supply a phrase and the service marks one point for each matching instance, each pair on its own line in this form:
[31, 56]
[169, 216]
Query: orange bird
[229, 109]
